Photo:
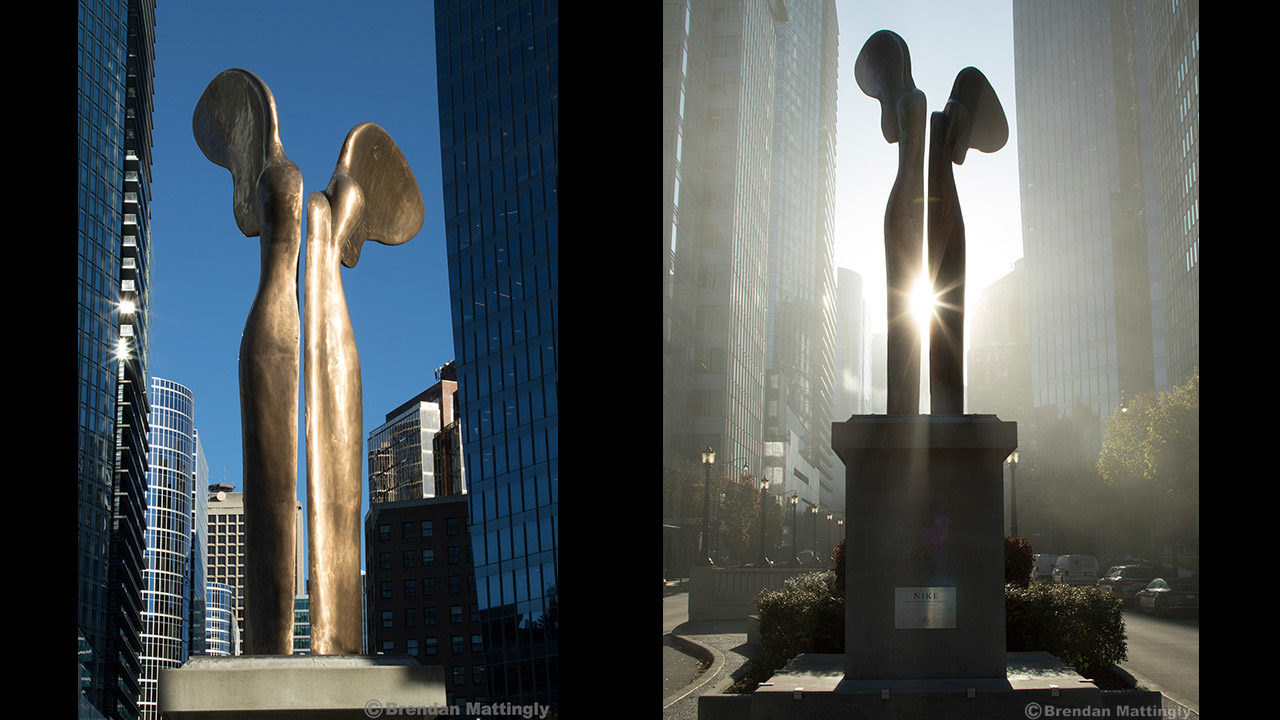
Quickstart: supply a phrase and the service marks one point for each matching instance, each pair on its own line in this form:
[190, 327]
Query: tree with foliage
[1153, 447]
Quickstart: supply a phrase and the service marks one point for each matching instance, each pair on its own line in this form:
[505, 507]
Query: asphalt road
[1165, 651]
[678, 669]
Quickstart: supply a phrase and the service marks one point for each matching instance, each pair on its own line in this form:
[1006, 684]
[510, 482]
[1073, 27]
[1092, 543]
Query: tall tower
[167, 578]
[800, 318]
[497, 69]
[114, 88]
[417, 452]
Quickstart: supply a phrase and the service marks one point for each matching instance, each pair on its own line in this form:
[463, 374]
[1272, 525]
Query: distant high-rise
[1107, 107]
[497, 67]
[113, 140]
[749, 310]
[417, 452]
[999, 363]
[166, 577]
[221, 634]
[199, 561]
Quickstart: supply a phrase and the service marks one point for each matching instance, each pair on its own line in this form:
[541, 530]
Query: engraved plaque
[924, 608]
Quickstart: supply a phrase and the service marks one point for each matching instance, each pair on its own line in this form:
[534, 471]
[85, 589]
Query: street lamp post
[1013, 494]
[814, 526]
[764, 493]
[795, 502]
[708, 459]
[829, 516]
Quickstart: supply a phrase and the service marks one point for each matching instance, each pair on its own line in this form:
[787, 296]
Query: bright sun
[922, 303]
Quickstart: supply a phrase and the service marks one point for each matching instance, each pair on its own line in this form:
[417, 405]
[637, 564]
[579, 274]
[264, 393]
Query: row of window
[430, 615]
[428, 586]
[424, 529]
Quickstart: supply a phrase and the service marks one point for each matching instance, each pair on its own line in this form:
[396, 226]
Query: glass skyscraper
[114, 56]
[497, 70]
[166, 590]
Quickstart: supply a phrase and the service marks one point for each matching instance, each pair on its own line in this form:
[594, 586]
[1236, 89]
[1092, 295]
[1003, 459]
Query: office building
[167, 577]
[227, 548]
[749, 306]
[999, 363]
[1107, 105]
[421, 591]
[417, 452]
[853, 384]
[301, 625]
[497, 68]
[222, 636]
[199, 562]
[114, 56]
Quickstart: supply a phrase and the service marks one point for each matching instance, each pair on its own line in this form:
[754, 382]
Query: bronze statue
[972, 118]
[372, 195]
[235, 126]
[883, 71]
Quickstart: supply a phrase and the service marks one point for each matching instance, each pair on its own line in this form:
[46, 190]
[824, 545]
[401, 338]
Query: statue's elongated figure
[883, 71]
[236, 127]
[371, 196]
[972, 118]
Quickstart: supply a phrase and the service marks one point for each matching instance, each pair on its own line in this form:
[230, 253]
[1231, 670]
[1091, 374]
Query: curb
[1143, 682]
[702, 652]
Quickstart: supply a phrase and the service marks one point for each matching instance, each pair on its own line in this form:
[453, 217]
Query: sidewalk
[727, 642]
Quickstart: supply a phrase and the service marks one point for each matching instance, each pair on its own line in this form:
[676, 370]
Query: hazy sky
[329, 66]
[943, 38]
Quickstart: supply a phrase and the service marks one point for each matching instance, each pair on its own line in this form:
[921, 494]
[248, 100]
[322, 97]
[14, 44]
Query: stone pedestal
[300, 686]
[924, 549]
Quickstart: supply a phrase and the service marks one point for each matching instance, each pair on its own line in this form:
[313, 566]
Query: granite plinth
[299, 686]
[924, 583]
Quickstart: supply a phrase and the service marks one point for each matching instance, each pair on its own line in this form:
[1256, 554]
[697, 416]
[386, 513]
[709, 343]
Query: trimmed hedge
[1083, 626]
[805, 616]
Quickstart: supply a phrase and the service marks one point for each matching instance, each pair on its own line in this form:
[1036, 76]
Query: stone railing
[730, 593]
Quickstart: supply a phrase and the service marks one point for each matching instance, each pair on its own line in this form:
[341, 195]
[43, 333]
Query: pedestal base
[299, 686]
[924, 552]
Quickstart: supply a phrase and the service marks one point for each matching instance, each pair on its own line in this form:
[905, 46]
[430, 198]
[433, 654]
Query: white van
[1075, 570]
[1042, 567]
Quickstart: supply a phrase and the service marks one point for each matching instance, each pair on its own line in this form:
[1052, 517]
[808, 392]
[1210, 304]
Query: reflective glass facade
[166, 590]
[114, 84]
[497, 72]
[220, 624]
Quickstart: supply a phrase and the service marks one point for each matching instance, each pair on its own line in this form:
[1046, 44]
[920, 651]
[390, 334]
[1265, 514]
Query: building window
[428, 557]
[451, 526]
[459, 674]
[411, 646]
[455, 583]
[387, 618]
[431, 648]
[410, 588]
[477, 643]
[406, 559]
[388, 647]
[384, 561]
[411, 618]
[477, 674]
[459, 644]
[455, 613]
[406, 531]
[426, 529]
[384, 588]
[428, 586]
[384, 532]
[455, 555]
[429, 616]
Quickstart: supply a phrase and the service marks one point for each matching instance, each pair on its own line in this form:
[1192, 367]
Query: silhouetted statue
[235, 126]
[972, 118]
[883, 71]
[372, 195]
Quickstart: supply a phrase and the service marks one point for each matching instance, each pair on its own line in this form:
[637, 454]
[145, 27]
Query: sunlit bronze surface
[972, 118]
[235, 126]
[371, 196]
[883, 71]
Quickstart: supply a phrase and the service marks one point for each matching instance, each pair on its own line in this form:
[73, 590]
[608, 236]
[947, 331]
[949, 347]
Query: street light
[708, 459]
[1013, 494]
[764, 492]
[795, 502]
[814, 526]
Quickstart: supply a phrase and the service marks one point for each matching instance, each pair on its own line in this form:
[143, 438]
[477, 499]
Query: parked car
[1042, 567]
[1075, 570]
[1162, 596]
[1127, 580]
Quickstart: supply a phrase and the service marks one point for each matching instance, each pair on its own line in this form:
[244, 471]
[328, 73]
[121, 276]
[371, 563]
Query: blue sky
[330, 66]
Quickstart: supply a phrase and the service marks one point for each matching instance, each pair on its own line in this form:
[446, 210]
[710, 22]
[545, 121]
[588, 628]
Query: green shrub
[1018, 561]
[805, 616]
[1082, 626]
[839, 569]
